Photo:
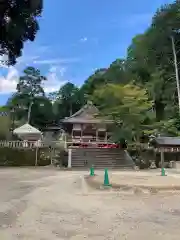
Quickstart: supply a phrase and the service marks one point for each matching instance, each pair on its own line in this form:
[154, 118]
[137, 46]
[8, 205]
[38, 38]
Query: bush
[142, 157]
[5, 124]
[62, 158]
[23, 157]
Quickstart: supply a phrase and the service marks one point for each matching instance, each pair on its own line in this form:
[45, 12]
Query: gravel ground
[38, 204]
[142, 179]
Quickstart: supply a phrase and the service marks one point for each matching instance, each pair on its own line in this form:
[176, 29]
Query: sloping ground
[101, 158]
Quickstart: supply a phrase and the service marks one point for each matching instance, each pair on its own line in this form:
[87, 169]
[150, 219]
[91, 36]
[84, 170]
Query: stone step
[99, 151]
[105, 166]
[98, 156]
[101, 158]
[100, 164]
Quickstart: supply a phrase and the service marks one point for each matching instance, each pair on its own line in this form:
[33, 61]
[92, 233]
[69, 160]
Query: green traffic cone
[92, 171]
[163, 173]
[106, 178]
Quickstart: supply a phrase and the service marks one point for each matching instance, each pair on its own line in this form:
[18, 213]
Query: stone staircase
[101, 158]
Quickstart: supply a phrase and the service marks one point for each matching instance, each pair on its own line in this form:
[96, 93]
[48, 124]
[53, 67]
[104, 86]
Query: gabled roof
[170, 141]
[87, 114]
[26, 129]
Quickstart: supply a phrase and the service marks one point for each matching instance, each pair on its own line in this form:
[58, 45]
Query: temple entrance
[89, 133]
[101, 136]
[76, 134]
[85, 126]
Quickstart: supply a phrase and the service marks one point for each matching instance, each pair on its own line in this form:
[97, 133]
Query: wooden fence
[28, 144]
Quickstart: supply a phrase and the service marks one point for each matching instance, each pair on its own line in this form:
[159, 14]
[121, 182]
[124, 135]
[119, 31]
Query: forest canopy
[138, 91]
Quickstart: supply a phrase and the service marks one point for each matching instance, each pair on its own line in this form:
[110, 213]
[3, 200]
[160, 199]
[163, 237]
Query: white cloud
[8, 83]
[83, 39]
[54, 67]
[3, 61]
[56, 61]
[55, 79]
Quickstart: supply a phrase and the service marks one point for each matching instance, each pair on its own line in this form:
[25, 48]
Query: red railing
[96, 145]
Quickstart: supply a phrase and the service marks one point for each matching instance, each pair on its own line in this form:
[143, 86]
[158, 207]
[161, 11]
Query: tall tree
[115, 73]
[150, 59]
[18, 23]
[5, 123]
[96, 80]
[30, 95]
[42, 114]
[69, 99]
[127, 105]
[31, 83]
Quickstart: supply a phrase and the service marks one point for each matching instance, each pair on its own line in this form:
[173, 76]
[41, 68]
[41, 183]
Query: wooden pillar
[72, 132]
[106, 136]
[81, 131]
[96, 134]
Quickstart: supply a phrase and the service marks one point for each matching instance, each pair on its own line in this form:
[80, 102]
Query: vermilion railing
[96, 145]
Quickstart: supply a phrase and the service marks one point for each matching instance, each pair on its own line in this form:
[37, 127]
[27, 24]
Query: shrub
[62, 158]
[142, 157]
[23, 157]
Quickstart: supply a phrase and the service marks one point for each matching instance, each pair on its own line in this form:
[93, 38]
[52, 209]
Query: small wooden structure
[166, 145]
[28, 132]
[86, 126]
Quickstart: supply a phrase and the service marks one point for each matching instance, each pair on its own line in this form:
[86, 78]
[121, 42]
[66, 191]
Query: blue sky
[77, 37]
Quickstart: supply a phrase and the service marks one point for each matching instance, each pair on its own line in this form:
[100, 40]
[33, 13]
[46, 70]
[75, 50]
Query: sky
[78, 37]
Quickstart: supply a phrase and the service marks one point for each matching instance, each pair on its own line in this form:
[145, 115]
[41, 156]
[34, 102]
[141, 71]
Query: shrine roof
[168, 141]
[87, 114]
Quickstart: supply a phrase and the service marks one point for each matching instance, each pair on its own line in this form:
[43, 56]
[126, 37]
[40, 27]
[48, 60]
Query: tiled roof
[25, 129]
[173, 141]
[87, 113]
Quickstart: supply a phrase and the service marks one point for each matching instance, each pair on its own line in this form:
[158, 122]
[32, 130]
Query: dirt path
[55, 207]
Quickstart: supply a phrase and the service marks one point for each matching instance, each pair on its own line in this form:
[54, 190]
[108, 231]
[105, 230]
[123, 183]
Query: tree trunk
[159, 108]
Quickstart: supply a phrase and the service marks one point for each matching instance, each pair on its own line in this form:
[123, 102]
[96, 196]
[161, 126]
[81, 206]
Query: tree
[30, 83]
[5, 122]
[69, 99]
[30, 94]
[150, 59]
[42, 114]
[96, 80]
[127, 105]
[18, 23]
[115, 73]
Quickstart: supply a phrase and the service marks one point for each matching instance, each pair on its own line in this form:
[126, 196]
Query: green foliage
[126, 104]
[139, 93]
[68, 100]
[18, 24]
[5, 123]
[115, 73]
[30, 90]
[31, 83]
[42, 112]
[22, 157]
